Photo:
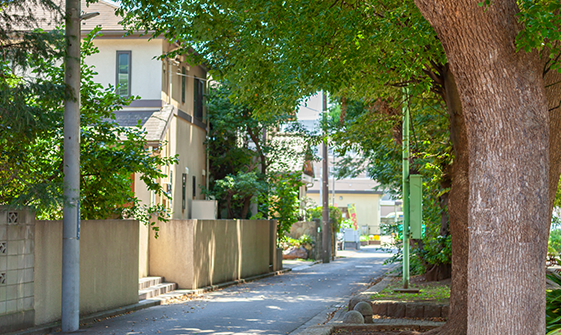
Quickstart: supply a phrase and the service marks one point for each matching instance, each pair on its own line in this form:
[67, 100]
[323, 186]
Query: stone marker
[353, 317]
[355, 300]
[365, 309]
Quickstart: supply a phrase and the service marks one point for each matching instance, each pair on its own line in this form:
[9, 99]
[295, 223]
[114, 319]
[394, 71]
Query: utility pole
[71, 193]
[326, 236]
[405, 177]
[333, 179]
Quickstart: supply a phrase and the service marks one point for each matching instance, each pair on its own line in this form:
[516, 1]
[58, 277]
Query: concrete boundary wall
[17, 242]
[198, 253]
[143, 250]
[109, 267]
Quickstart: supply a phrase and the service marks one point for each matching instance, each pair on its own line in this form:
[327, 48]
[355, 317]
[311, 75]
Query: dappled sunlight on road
[229, 328]
[276, 305]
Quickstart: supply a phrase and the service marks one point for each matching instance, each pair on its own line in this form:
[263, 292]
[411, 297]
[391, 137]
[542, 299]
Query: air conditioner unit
[204, 209]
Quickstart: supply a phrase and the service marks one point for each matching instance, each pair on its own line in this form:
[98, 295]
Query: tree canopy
[369, 50]
[254, 161]
[31, 164]
[280, 51]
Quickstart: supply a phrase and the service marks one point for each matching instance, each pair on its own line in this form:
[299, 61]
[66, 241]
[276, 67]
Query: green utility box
[416, 206]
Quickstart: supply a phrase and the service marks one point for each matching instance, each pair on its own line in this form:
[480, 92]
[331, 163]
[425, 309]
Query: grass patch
[433, 291]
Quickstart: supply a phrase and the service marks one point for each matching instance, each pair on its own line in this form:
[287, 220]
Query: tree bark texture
[457, 209]
[552, 81]
[507, 122]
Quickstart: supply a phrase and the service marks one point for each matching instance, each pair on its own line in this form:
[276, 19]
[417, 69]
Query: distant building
[359, 190]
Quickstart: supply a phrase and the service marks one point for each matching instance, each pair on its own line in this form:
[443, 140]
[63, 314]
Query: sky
[311, 108]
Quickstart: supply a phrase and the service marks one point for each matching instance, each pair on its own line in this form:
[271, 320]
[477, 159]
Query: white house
[170, 107]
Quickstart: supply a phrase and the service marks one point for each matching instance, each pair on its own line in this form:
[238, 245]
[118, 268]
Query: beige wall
[198, 253]
[143, 256]
[189, 146]
[171, 254]
[367, 207]
[176, 68]
[108, 267]
[146, 70]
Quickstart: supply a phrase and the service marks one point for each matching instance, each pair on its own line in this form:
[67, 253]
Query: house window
[199, 92]
[183, 84]
[194, 187]
[124, 73]
[183, 187]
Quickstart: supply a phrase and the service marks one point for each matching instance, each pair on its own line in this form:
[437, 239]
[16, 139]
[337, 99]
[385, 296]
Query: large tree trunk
[507, 122]
[552, 81]
[457, 209]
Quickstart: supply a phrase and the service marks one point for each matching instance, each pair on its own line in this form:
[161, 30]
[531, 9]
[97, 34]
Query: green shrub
[553, 306]
[335, 215]
[347, 223]
[306, 239]
[555, 240]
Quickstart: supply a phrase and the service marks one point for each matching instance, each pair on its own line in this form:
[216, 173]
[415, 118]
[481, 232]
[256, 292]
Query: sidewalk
[298, 264]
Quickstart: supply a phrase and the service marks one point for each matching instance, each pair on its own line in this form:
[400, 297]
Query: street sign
[415, 205]
[352, 214]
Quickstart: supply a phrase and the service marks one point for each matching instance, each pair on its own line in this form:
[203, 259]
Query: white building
[170, 107]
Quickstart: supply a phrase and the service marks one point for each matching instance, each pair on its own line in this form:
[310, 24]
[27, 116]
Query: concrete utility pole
[71, 211]
[333, 180]
[326, 236]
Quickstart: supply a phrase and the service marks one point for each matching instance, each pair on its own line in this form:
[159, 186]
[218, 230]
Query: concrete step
[156, 290]
[146, 282]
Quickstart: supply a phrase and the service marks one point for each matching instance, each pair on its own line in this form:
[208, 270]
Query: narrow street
[275, 305]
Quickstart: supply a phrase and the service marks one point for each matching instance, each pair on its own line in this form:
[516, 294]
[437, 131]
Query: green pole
[405, 175]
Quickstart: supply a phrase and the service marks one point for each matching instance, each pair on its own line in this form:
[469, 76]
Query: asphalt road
[275, 305]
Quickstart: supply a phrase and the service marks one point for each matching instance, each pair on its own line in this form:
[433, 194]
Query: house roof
[358, 185]
[158, 123]
[129, 118]
[154, 122]
[354, 185]
[107, 19]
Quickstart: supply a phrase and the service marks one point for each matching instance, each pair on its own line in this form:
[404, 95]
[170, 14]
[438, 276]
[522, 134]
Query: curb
[151, 302]
[315, 326]
[297, 268]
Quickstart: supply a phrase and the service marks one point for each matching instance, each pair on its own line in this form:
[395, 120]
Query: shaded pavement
[275, 305]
